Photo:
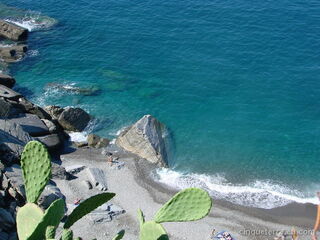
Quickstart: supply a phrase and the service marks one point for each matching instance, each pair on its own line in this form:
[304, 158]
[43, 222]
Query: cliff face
[146, 139]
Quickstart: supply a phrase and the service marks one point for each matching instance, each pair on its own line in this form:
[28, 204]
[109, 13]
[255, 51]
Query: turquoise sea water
[237, 82]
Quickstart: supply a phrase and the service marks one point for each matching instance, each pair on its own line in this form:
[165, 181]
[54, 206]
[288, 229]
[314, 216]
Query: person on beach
[110, 159]
[317, 223]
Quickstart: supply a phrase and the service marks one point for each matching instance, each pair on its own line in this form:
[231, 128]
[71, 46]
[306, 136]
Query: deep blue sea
[237, 82]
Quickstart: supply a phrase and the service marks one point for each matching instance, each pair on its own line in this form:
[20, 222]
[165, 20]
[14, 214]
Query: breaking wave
[261, 194]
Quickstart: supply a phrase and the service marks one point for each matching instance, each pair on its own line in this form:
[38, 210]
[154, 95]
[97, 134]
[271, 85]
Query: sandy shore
[135, 189]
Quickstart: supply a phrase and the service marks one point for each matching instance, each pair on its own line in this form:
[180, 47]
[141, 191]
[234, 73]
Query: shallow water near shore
[236, 83]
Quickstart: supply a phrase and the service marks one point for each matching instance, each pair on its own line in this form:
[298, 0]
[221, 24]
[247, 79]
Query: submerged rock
[13, 54]
[12, 31]
[146, 138]
[85, 91]
[74, 119]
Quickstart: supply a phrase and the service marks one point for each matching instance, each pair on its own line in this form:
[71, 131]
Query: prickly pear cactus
[50, 232]
[187, 205]
[152, 231]
[86, 207]
[119, 235]
[67, 234]
[28, 218]
[36, 169]
[51, 217]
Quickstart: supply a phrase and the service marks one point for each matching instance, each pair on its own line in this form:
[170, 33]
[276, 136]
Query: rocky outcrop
[29, 107]
[54, 111]
[12, 31]
[74, 119]
[13, 54]
[31, 124]
[53, 141]
[7, 80]
[146, 138]
[8, 93]
[12, 140]
[96, 141]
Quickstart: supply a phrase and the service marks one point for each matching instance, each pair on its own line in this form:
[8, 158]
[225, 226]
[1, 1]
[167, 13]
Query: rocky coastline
[22, 121]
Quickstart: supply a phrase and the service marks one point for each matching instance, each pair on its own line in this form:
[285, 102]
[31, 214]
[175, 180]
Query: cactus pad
[119, 235]
[188, 205]
[86, 207]
[36, 169]
[51, 217]
[67, 234]
[50, 232]
[152, 231]
[28, 218]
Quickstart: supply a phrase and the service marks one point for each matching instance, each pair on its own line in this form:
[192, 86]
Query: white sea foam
[33, 21]
[78, 136]
[262, 194]
[33, 53]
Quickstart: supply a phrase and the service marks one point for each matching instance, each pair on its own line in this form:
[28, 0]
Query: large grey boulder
[50, 193]
[7, 80]
[52, 142]
[9, 108]
[8, 93]
[12, 139]
[74, 119]
[14, 175]
[5, 108]
[12, 31]
[146, 138]
[29, 107]
[31, 124]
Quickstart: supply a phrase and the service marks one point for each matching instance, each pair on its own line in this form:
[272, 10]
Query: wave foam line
[261, 194]
[33, 21]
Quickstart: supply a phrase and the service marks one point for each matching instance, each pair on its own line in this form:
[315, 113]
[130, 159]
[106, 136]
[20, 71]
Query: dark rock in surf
[74, 119]
[7, 80]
